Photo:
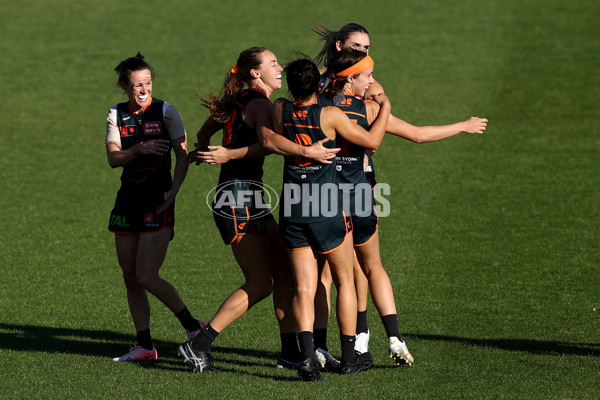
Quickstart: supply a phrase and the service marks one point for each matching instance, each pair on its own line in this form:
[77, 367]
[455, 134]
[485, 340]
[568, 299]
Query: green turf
[492, 241]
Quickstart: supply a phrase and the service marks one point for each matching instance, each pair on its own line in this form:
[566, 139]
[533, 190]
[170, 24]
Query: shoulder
[258, 104]
[169, 110]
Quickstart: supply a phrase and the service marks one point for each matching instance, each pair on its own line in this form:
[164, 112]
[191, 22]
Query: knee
[131, 281]
[259, 290]
[146, 281]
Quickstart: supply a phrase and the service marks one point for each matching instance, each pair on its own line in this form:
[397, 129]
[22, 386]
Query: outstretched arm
[219, 155]
[208, 129]
[424, 134]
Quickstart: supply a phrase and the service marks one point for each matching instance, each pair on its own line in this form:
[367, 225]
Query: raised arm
[352, 132]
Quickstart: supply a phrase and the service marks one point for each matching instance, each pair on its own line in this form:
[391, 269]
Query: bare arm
[179, 173]
[424, 134]
[374, 88]
[343, 126]
[276, 143]
[208, 129]
[220, 155]
[117, 157]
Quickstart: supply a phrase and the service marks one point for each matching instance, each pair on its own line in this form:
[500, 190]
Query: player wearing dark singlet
[242, 114]
[241, 176]
[359, 202]
[346, 90]
[304, 121]
[140, 136]
[356, 37]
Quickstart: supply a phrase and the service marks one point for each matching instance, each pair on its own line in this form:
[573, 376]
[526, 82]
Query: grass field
[491, 245]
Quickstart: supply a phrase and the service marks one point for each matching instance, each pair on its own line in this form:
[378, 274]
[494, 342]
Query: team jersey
[304, 197]
[350, 158]
[147, 173]
[237, 134]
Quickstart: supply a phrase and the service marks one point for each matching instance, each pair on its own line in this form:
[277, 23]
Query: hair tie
[357, 68]
[234, 69]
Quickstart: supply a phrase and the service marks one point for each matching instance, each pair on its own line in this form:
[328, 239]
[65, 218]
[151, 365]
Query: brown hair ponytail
[237, 78]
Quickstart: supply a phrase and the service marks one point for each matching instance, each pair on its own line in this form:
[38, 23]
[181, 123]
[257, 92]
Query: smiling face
[358, 85]
[269, 72]
[139, 88]
[357, 40]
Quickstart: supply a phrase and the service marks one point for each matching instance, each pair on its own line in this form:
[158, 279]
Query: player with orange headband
[357, 37]
[311, 221]
[351, 73]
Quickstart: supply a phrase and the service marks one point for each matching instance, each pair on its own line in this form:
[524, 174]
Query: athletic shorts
[237, 211]
[363, 228]
[323, 236]
[131, 219]
[238, 221]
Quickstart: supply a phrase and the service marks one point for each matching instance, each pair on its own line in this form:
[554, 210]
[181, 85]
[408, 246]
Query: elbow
[268, 143]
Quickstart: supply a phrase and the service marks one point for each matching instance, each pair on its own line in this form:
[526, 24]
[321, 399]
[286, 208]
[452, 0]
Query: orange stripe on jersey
[302, 126]
[355, 113]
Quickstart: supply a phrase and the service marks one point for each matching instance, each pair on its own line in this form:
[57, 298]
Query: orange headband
[357, 68]
[234, 69]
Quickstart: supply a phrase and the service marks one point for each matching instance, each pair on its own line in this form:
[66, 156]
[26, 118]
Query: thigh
[252, 255]
[305, 270]
[127, 248]
[152, 249]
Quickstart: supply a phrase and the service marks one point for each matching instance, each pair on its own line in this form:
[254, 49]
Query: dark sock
[307, 346]
[144, 339]
[204, 340]
[390, 323]
[321, 339]
[348, 353]
[361, 322]
[187, 321]
[289, 346]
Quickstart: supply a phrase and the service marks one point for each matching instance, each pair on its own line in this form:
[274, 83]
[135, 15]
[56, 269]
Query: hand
[194, 156]
[218, 155]
[381, 99]
[154, 146]
[320, 153]
[169, 199]
[475, 125]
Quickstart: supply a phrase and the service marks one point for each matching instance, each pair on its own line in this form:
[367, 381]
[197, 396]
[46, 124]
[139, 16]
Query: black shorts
[131, 219]
[363, 228]
[238, 221]
[323, 236]
[237, 214]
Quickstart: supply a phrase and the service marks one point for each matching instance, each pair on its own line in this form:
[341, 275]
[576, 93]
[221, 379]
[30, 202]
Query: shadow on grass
[540, 347]
[108, 344]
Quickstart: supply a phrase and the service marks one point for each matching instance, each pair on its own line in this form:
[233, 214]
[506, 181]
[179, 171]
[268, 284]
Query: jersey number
[303, 140]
